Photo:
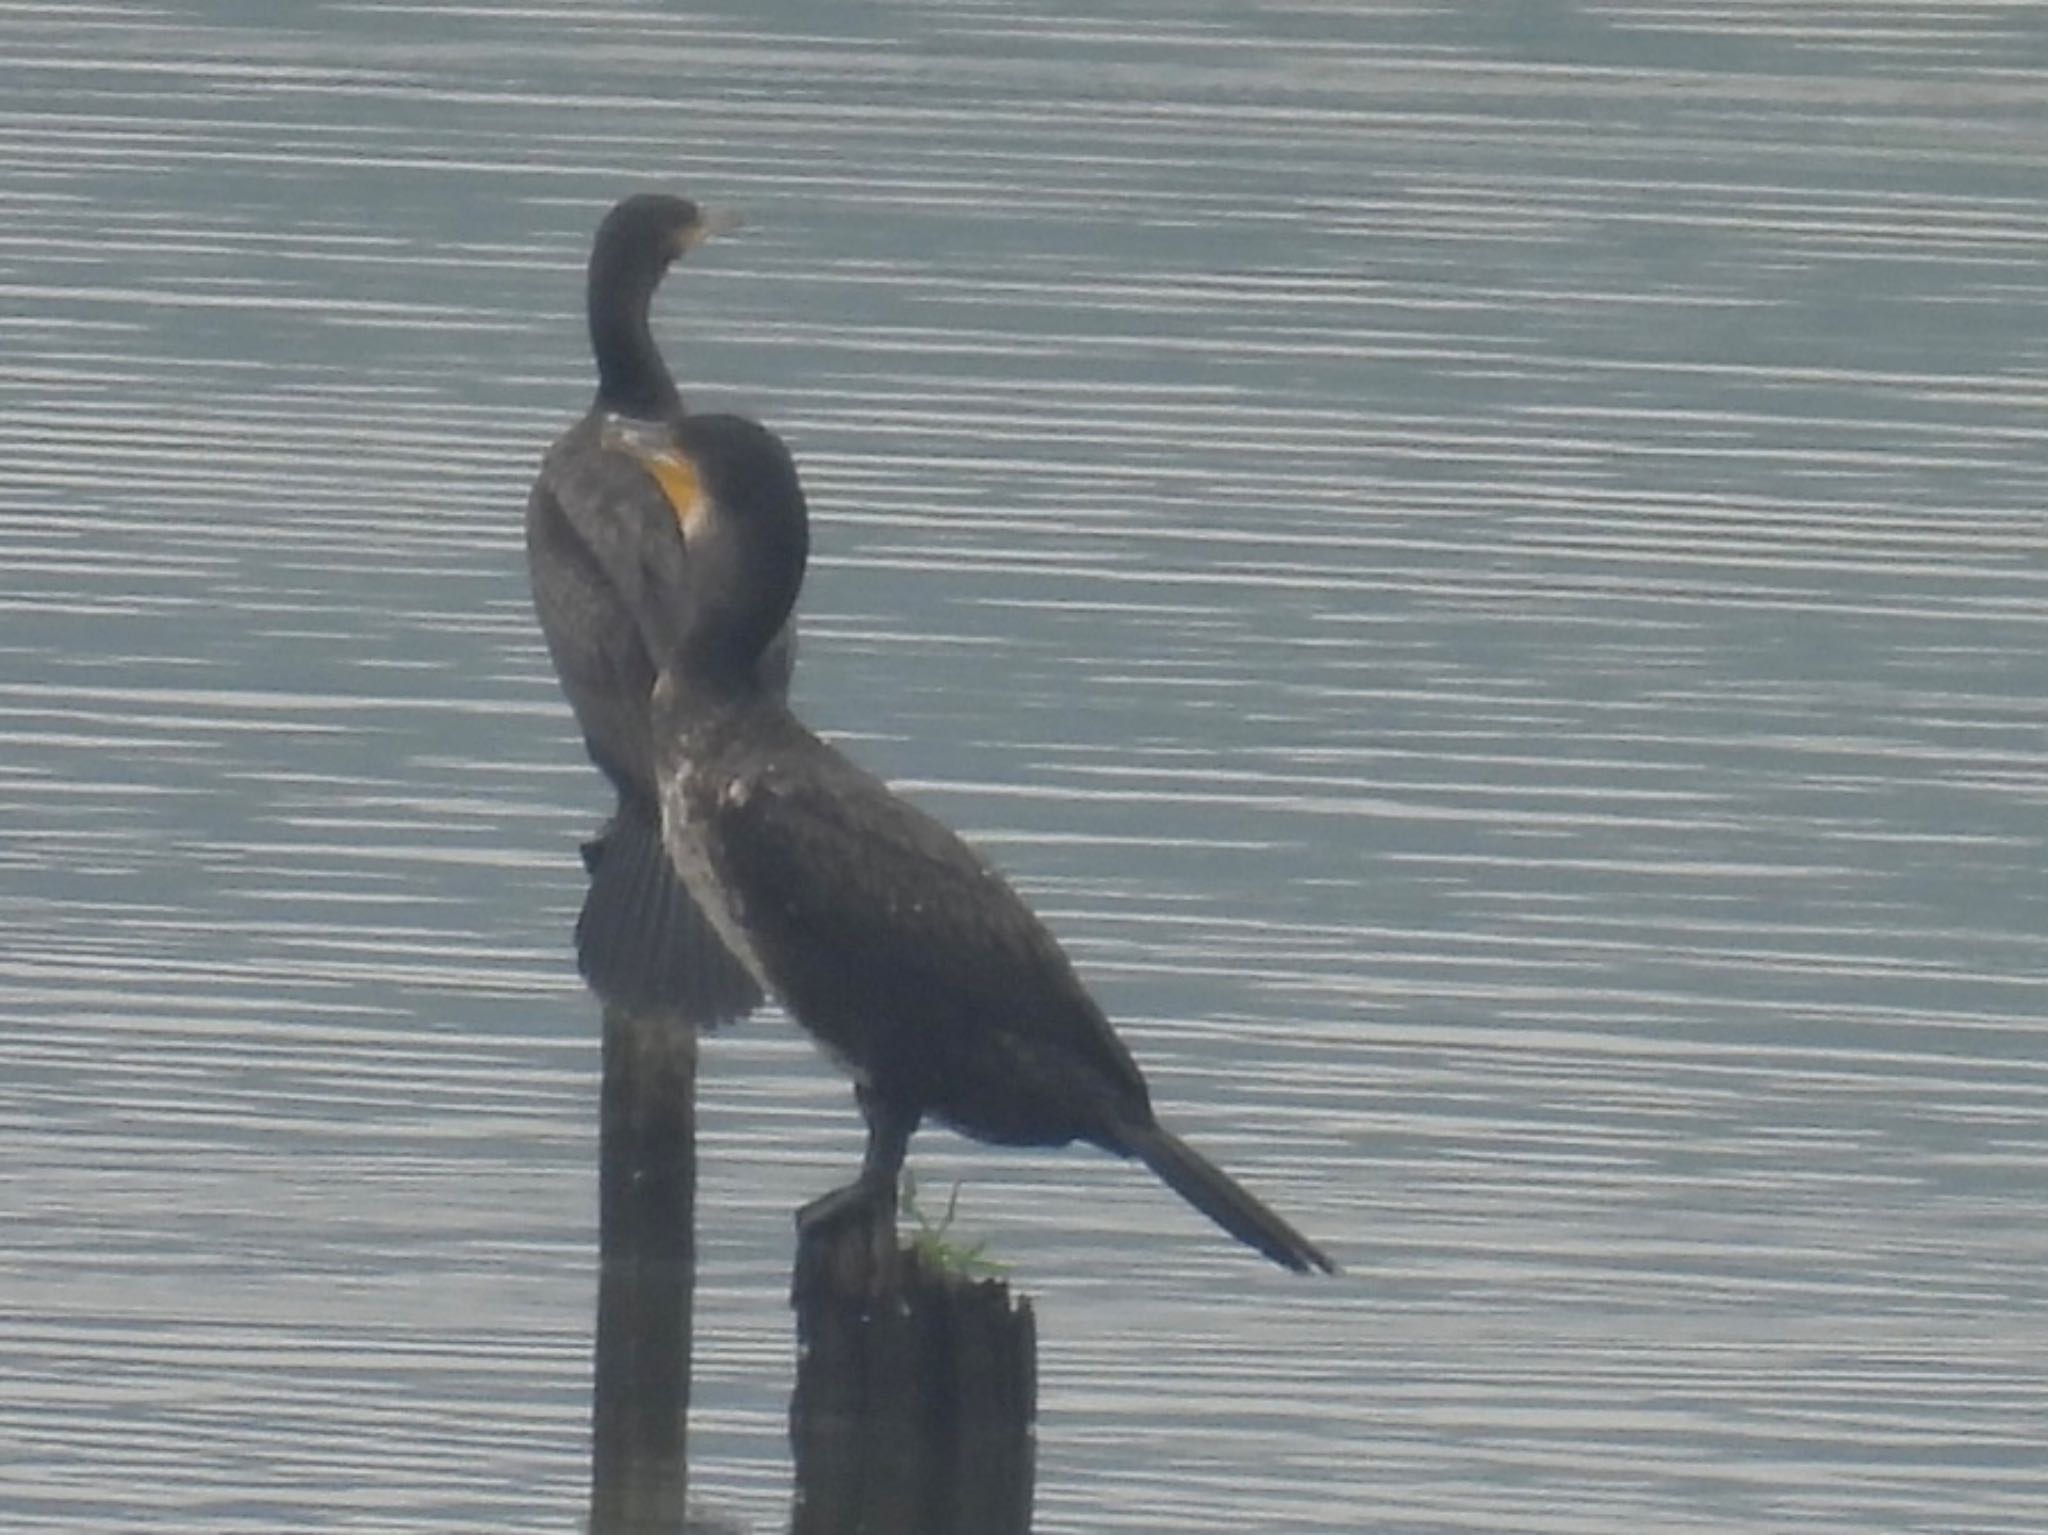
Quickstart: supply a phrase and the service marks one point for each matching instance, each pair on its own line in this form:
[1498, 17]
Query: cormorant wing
[875, 919]
[589, 517]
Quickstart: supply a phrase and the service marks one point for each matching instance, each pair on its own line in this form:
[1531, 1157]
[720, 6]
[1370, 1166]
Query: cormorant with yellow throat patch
[641, 941]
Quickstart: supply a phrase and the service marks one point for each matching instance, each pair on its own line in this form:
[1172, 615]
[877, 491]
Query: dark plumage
[641, 942]
[882, 932]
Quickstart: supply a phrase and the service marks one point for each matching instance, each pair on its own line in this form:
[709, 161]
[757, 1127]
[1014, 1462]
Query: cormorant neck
[746, 552]
[689, 702]
[631, 377]
[727, 635]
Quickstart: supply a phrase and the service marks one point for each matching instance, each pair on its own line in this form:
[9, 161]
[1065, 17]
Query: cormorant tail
[1212, 1191]
[641, 942]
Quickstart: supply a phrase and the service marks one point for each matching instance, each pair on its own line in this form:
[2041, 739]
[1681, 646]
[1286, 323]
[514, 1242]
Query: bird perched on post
[641, 941]
[884, 935]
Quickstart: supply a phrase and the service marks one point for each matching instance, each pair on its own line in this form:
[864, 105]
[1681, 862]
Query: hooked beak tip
[709, 223]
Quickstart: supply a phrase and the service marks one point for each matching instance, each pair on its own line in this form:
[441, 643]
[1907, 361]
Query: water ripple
[1483, 567]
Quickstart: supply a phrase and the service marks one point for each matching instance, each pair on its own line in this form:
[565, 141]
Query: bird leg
[872, 1195]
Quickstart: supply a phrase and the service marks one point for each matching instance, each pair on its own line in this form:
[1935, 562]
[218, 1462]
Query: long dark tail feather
[1212, 1191]
[641, 942]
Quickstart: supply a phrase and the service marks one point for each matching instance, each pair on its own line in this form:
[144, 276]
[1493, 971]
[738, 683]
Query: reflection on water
[1483, 568]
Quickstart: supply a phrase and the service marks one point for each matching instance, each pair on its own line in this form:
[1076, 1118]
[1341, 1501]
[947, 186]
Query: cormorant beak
[709, 222]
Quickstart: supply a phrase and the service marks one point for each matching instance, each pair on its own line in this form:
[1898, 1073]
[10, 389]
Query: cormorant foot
[859, 1200]
[856, 1227]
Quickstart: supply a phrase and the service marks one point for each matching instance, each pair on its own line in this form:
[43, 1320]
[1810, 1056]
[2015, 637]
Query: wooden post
[915, 1395]
[647, 1192]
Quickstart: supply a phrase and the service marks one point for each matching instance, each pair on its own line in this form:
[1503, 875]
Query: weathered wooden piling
[916, 1382]
[647, 1189]
[916, 1392]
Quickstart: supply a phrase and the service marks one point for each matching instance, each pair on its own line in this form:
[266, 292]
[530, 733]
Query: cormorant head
[709, 602]
[634, 246]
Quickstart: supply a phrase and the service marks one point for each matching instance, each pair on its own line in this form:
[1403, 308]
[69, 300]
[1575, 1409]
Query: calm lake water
[1486, 566]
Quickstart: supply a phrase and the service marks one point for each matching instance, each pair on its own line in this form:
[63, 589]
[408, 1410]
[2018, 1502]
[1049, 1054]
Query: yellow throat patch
[672, 470]
[677, 477]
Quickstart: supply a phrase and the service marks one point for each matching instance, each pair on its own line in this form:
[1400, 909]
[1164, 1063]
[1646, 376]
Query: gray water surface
[1483, 565]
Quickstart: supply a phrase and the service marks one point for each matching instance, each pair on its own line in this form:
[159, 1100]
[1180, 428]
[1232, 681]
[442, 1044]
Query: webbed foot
[864, 1199]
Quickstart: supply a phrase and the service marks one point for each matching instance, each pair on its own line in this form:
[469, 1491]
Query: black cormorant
[640, 940]
[883, 934]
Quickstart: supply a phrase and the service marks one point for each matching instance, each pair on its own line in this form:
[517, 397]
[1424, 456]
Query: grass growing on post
[931, 1240]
